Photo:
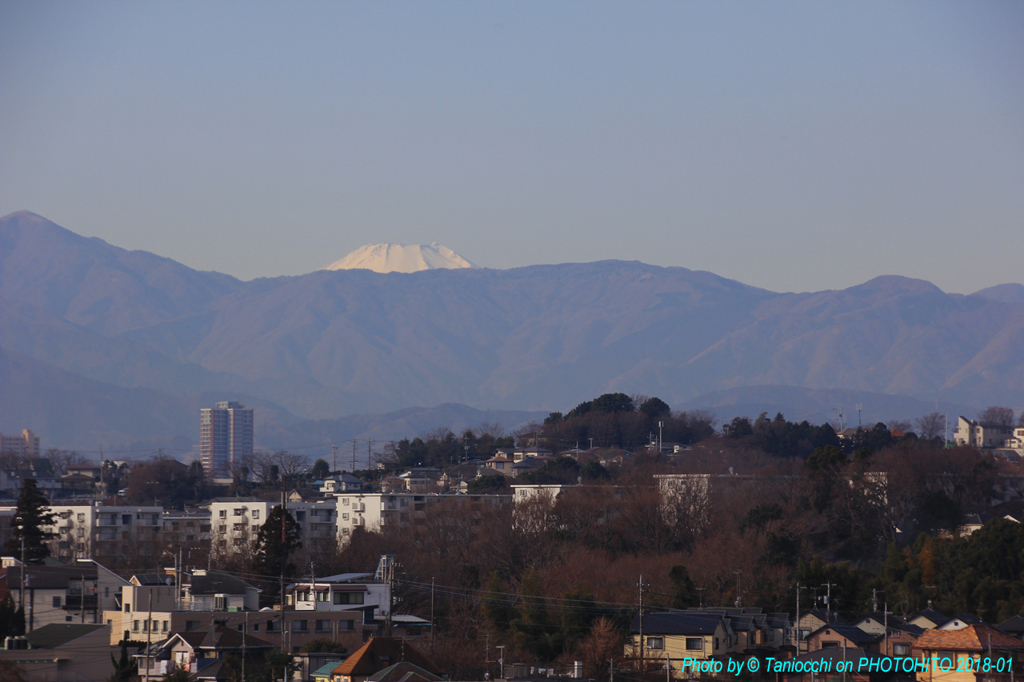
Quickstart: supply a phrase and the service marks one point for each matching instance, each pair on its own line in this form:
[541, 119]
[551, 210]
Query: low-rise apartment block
[373, 511]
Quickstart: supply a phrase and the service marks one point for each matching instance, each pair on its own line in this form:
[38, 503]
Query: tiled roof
[854, 634]
[970, 638]
[56, 634]
[381, 652]
[688, 623]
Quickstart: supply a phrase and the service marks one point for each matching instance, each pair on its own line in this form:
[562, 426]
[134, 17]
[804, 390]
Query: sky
[795, 146]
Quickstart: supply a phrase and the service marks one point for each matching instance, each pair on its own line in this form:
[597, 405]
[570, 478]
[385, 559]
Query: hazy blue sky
[790, 145]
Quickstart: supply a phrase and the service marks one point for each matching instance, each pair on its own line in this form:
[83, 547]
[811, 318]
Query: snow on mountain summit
[401, 258]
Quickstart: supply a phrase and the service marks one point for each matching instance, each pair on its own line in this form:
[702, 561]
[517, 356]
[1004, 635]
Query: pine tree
[274, 546]
[32, 514]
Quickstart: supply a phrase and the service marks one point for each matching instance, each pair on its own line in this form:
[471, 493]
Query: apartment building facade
[373, 511]
[94, 530]
[225, 437]
[235, 521]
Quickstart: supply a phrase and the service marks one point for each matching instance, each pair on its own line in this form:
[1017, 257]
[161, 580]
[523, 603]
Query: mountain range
[104, 346]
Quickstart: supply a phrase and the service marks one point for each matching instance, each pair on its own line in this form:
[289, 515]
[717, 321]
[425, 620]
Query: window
[299, 626]
[273, 626]
[223, 514]
[127, 607]
[239, 511]
[345, 516]
[323, 626]
[830, 645]
[165, 626]
[255, 513]
[347, 625]
[191, 624]
[300, 516]
[256, 627]
[694, 643]
[716, 643]
[655, 642]
[56, 602]
[220, 603]
[126, 519]
[135, 626]
[348, 597]
[901, 650]
[323, 595]
[81, 518]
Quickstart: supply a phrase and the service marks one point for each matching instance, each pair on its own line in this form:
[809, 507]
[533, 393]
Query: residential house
[962, 621]
[63, 594]
[897, 635]
[500, 463]
[519, 454]
[928, 619]
[65, 651]
[342, 483]
[842, 636]
[964, 645]
[202, 653]
[675, 636]
[381, 653]
[982, 434]
[421, 480]
[528, 464]
[1013, 626]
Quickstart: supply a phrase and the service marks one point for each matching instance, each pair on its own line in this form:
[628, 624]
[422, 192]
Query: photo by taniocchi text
[883, 664]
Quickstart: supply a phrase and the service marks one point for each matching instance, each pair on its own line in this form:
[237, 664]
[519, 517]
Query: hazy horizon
[793, 147]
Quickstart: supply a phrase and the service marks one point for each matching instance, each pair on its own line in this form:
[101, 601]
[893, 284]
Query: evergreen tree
[125, 667]
[12, 620]
[277, 538]
[32, 514]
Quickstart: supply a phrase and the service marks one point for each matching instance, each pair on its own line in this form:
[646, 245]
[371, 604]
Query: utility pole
[354, 456]
[149, 636]
[661, 443]
[432, 613]
[641, 586]
[739, 588]
[284, 541]
[334, 449]
[501, 660]
[245, 627]
[828, 601]
[369, 457]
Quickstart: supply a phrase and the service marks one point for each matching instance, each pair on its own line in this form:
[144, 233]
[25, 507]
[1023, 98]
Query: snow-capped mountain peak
[401, 258]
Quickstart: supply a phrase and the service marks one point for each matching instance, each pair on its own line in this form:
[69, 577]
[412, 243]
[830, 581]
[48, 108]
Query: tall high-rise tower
[225, 437]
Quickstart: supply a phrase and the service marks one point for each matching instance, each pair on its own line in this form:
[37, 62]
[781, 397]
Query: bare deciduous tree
[931, 425]
[994, 414]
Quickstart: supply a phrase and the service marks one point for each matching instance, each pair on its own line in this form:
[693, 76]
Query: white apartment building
[373, 511]
[25, 444]
[98, 531]
[235, 521]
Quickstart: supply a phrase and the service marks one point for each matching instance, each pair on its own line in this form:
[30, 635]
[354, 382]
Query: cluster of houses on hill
[674, 641]
[189, 619]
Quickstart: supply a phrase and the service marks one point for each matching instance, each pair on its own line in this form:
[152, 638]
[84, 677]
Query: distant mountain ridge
[532, 339]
